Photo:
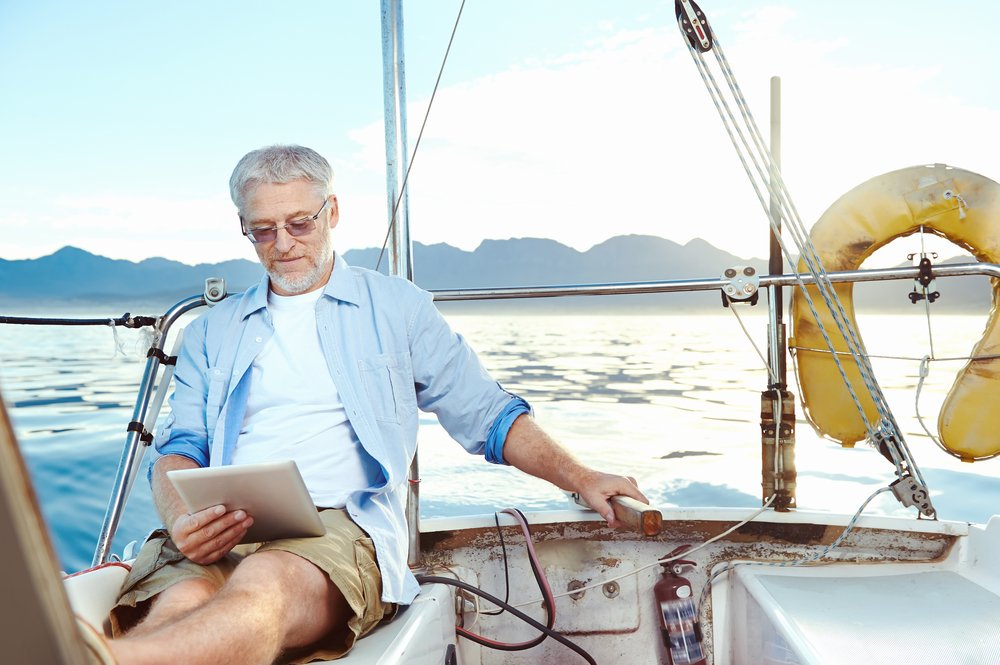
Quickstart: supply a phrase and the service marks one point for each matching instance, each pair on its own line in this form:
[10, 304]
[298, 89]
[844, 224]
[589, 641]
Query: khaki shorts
[345, 554]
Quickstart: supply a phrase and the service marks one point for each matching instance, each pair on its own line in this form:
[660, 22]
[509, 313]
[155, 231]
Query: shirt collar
[341, 286]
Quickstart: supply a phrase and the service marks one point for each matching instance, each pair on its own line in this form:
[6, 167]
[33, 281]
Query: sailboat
[678, 585]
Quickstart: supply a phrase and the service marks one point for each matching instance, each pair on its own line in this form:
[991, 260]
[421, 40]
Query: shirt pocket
[388, 382]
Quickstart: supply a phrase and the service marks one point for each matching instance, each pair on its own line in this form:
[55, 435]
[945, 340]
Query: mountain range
[72, 275]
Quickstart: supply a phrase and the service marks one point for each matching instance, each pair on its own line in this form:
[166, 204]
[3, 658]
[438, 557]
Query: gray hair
[279, 164]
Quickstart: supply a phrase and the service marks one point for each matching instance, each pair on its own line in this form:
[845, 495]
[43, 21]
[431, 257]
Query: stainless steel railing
[135, 448]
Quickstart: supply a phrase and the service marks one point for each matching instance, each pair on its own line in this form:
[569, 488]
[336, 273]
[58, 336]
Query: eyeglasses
[295, 228]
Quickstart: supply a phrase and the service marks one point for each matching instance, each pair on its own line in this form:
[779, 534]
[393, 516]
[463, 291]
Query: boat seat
[423, 633]
[93, 592]
[799, 617]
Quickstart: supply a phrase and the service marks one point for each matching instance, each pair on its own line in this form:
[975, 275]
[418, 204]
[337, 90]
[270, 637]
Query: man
[327, 365]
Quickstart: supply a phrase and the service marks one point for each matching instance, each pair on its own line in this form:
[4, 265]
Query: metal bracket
[910, 493]
[924, 279]
[742, 285]
[694, 24]
[215, 290]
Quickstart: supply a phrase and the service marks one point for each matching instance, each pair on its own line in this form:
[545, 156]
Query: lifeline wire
[923, 372]
[416, 146]
[666, 559]
[886, 433]
[125, 320]
[813, 558]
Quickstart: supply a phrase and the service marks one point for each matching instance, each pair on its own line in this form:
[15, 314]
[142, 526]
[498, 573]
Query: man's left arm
[529, 448]
[453, 384]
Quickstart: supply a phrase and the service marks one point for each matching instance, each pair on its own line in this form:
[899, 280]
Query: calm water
[670, 400]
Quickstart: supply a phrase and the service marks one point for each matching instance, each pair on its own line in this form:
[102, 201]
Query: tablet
[273, 493]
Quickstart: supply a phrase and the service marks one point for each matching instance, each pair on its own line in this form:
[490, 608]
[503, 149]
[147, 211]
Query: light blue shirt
[389, 352]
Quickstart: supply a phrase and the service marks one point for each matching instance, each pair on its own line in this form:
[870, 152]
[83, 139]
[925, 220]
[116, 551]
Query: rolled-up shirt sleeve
[452, 383]
[501, 426]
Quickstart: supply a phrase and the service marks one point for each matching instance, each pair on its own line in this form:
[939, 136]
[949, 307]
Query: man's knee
[174, 602]
[184, 596]
[312, 606]
[279, 573]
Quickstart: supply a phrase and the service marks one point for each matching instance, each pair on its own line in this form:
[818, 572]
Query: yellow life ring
[959, 205]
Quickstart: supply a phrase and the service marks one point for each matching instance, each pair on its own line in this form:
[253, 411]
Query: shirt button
[258, 340]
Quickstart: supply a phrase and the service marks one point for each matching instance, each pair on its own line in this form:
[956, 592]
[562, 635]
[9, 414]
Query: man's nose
[284, 240]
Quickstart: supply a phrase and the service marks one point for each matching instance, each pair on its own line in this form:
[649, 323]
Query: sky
[576, 120]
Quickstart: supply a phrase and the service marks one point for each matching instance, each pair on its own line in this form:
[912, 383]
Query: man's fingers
[218, 547]
[598, 495]
[634, 492]
[206, 533]
[193, 522]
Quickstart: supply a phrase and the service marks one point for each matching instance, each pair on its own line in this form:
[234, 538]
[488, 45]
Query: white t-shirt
[294, 410]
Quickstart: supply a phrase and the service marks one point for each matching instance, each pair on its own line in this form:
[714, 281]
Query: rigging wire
[885, 433]
[420, 134]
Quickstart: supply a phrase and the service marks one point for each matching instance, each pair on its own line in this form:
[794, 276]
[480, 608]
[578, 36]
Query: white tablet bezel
[273, 493]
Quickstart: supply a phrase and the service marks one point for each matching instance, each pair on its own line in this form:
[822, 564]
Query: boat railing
[686, 285]
[143, 421]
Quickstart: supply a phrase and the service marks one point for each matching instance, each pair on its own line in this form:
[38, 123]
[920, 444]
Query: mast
[776, 336]
[778, 473]
[400, 248]
[394, 95]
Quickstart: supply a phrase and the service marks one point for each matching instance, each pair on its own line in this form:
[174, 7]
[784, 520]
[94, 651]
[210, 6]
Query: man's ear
[334, 212]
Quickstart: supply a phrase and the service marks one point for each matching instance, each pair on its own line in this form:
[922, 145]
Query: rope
[886, 432]
[730, 124]
[119, 348]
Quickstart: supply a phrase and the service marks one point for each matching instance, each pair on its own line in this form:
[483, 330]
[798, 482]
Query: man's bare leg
[174, 603]
[273, 601]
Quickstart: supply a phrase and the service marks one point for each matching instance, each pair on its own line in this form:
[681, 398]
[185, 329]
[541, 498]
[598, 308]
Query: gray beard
[302, 283]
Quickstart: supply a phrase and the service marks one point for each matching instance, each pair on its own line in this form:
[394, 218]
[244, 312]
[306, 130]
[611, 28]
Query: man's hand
[203, 537]
[208, 535]
[531, 450]
[597, 488]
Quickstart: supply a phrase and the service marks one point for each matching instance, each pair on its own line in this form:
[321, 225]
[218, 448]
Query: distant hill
[73, 275]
